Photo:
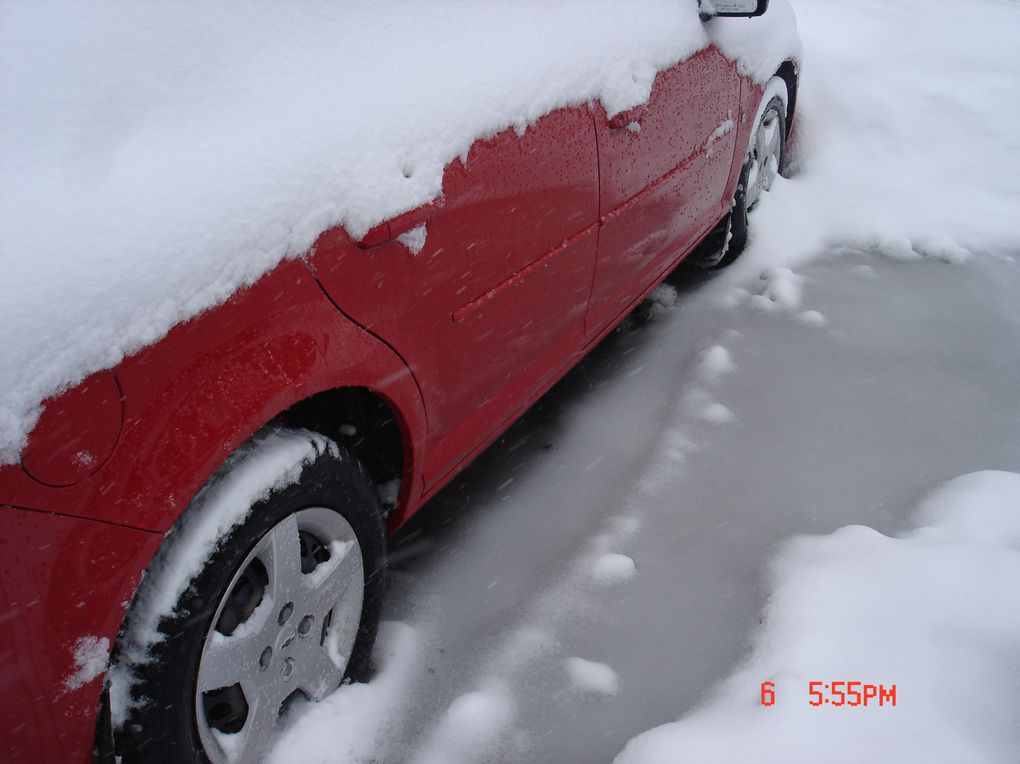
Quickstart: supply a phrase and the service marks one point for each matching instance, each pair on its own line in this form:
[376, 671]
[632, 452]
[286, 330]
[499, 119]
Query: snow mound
[612, 568]
[592, 677]
[470, 726]
[716, 413]
[350, 724]
[933, 612]
[716, 362]
[154, 158]
[782, 289]
[812, 318]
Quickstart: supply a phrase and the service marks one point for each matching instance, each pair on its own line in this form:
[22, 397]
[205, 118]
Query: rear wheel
[281, 608]
[762, 163]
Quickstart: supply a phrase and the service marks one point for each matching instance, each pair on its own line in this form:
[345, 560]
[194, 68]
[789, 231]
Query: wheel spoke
[753, 181]
[283, 560]
[330, 586]
[257, 732]
[770, 156]
[317, 675]
[770, 135]
[230, 660]
[343, 630]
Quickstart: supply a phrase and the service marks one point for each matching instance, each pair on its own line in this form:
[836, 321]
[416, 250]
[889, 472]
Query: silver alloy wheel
[284, 629]
[764, 157]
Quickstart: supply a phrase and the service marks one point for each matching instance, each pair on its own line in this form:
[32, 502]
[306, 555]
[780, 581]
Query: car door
[664, 167]
[492, 305]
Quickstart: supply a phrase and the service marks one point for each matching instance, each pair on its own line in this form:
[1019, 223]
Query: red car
[195, 538]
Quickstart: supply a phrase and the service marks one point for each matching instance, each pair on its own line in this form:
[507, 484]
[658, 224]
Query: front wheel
[762, 163]
[266, 593]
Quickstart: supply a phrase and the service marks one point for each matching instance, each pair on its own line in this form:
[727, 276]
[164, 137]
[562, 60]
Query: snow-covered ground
[766, 477]
[633, 551]
[505, 579]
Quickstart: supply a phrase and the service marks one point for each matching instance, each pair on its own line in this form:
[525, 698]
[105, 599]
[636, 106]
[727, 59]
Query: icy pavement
[603, 569]
[691, 444]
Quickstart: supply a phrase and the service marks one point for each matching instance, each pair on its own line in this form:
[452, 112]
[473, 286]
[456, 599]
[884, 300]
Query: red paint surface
[76, 433]
[661, 189]
[540, 243]
[61, 579]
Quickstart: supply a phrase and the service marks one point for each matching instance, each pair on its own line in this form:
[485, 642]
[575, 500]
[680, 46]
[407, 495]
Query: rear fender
[193, 397]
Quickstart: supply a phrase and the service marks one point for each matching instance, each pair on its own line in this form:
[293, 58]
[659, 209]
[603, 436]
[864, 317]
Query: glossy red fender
[64, 582]
[188, 402]
[194, 397]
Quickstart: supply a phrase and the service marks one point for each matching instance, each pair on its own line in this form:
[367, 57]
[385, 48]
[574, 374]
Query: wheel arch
[788, 72]
[366, 424]
[276, 353]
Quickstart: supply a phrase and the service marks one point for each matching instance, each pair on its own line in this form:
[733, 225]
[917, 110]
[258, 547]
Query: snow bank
[906, 140]
[935, 612]
[155, 158]
[472, 723]
[349, 725]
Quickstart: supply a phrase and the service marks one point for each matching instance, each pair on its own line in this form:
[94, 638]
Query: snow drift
[934, 612]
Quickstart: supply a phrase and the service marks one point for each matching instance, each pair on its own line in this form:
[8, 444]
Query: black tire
[164, 728]
[727, 241]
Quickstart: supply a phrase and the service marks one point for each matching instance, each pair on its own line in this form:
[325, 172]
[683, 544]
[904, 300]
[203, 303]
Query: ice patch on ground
[591, 677]
[933, 612]
[864, 270]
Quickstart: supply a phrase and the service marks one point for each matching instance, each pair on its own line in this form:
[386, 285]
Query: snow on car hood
[158, 157]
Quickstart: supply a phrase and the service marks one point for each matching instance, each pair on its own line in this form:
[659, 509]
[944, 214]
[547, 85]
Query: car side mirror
[748, 8]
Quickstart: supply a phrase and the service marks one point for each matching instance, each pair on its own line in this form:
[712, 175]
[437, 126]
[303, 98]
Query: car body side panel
[193, 398]
[750, 96]
[662, 179]
[496, 298]
[63, 585]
